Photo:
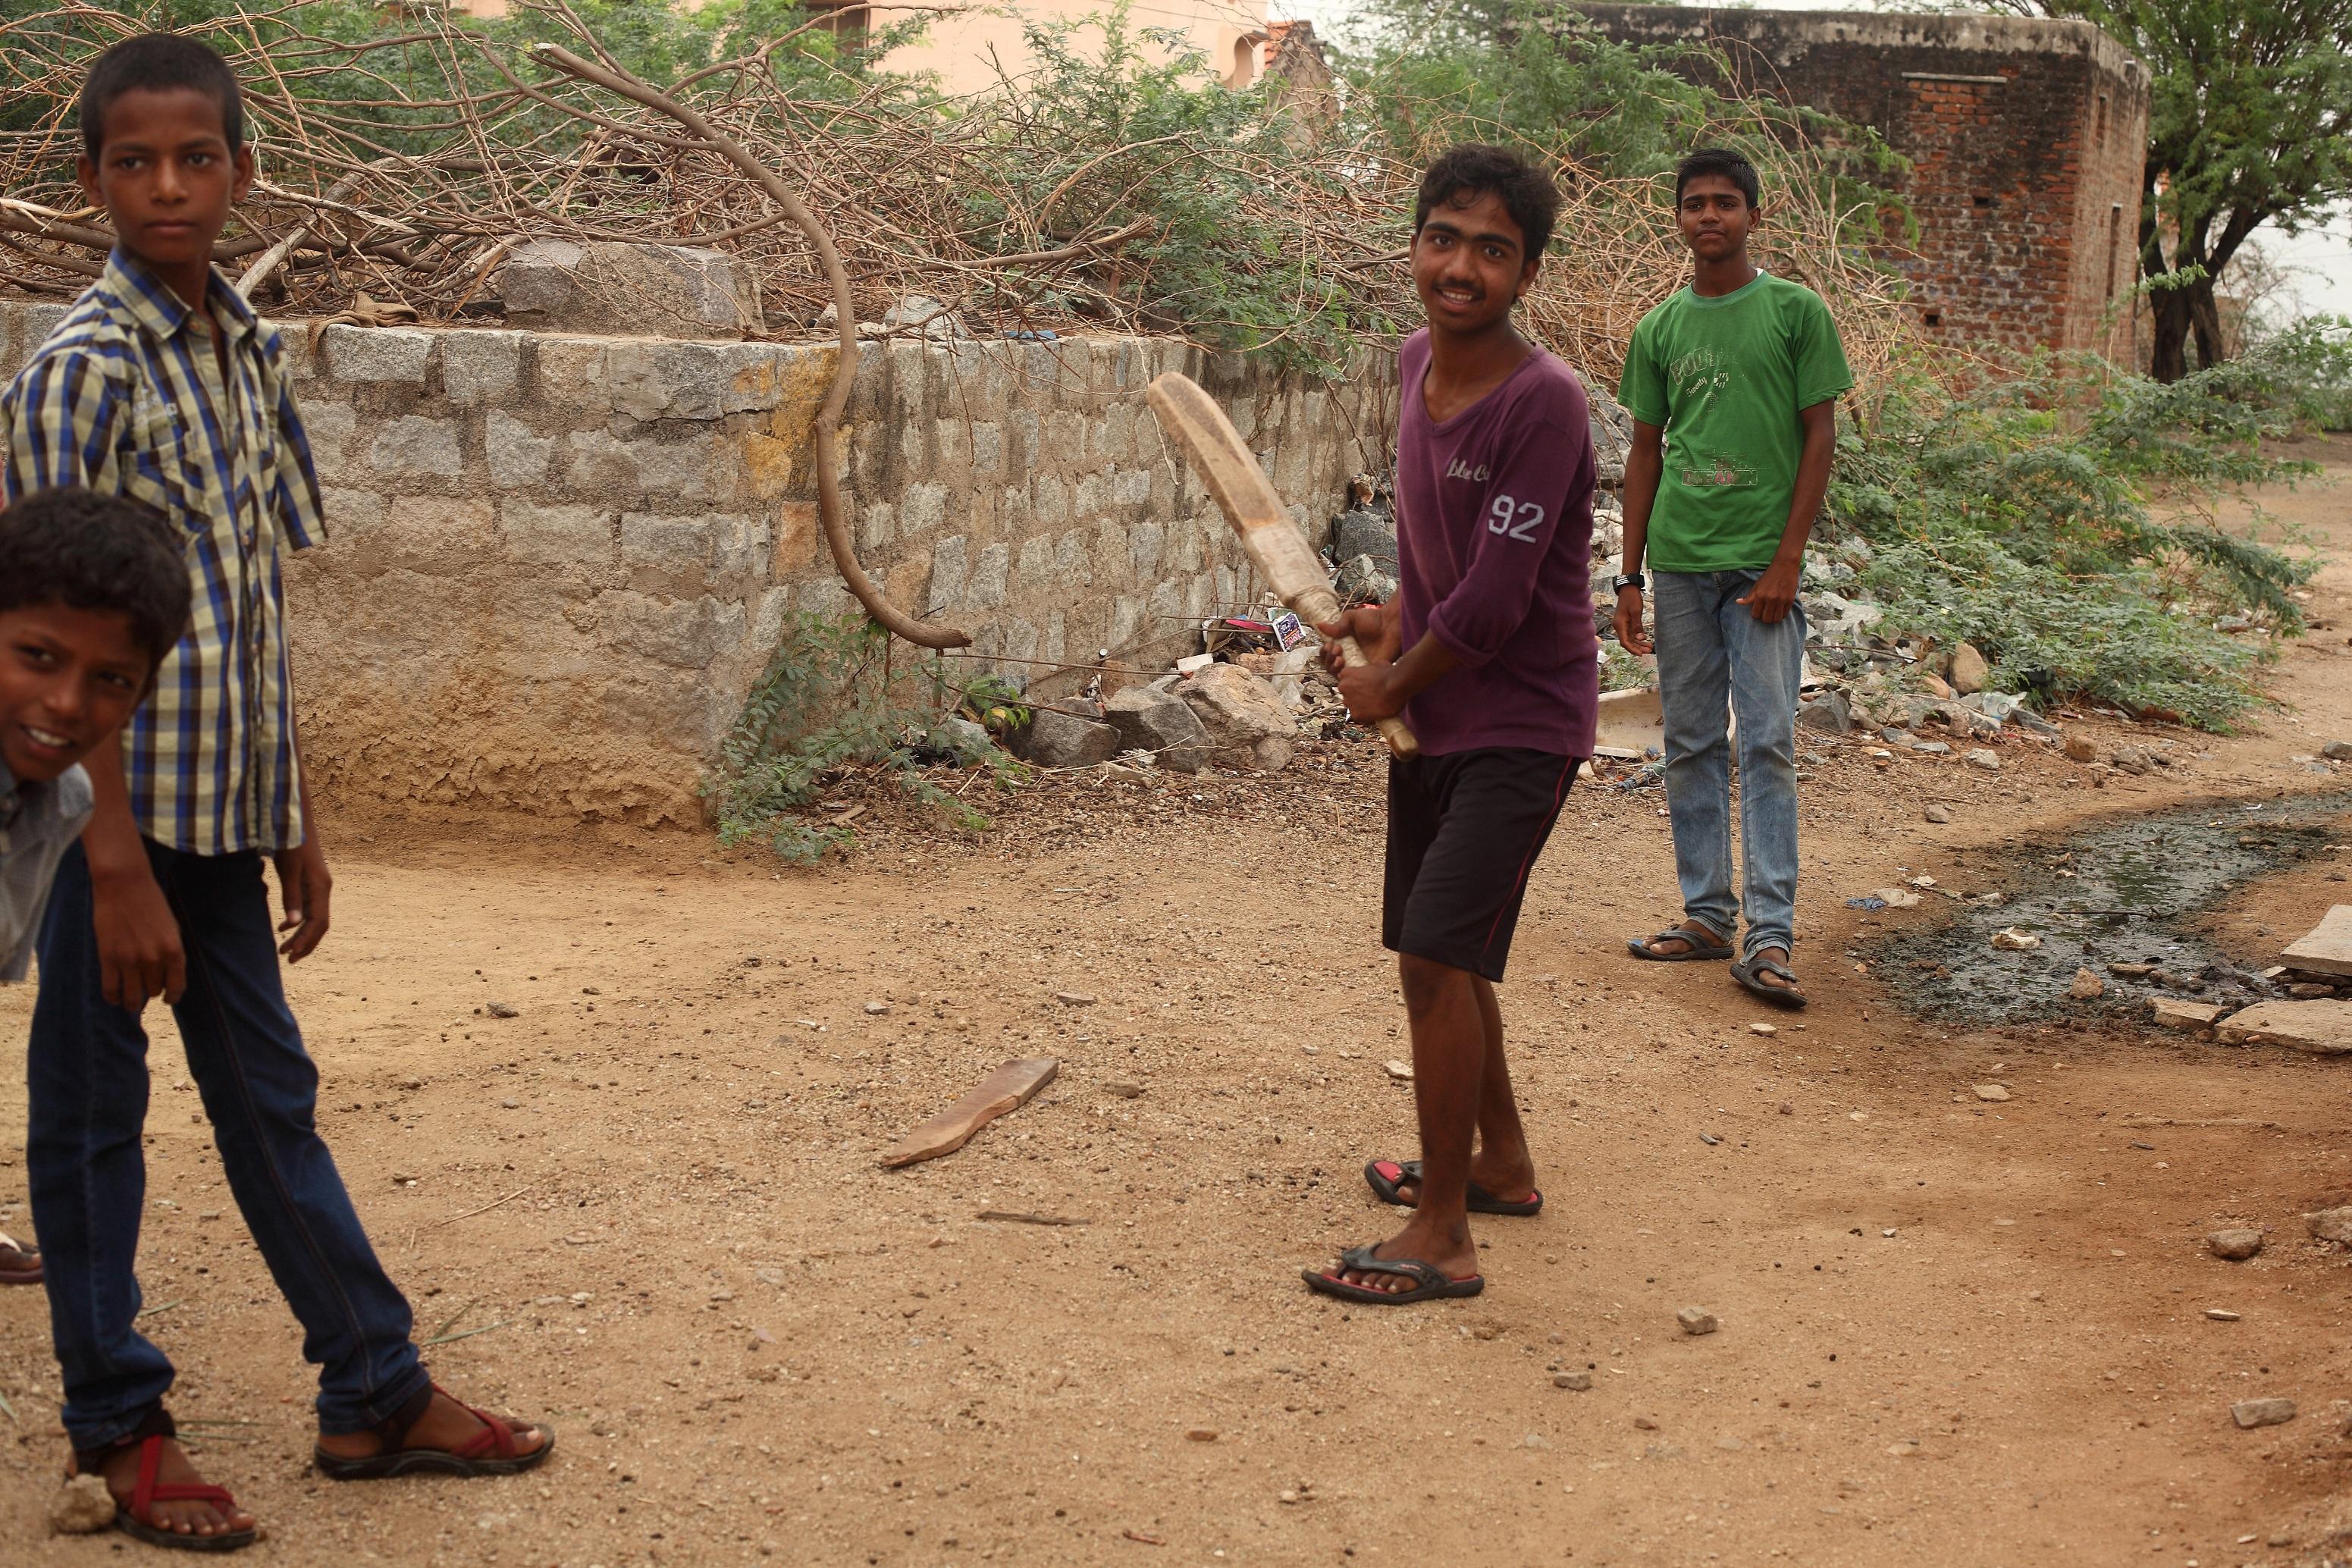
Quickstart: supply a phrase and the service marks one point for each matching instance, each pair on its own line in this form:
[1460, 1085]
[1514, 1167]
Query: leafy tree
[2249, 123]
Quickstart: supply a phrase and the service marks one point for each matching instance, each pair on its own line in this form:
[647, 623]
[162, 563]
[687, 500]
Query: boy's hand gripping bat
[1230, 470]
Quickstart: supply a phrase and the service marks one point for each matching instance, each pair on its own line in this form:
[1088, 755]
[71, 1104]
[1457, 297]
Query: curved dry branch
[827, 424]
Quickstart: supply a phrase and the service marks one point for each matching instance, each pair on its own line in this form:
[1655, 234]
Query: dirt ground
[1953, 1331]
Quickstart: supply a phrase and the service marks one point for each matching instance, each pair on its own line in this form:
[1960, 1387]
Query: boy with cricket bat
[1488, 652]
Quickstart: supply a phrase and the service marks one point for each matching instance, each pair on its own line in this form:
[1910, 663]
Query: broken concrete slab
[2327, 950]
[2192, 1017]
[1008, 1089]
[2323, 1029]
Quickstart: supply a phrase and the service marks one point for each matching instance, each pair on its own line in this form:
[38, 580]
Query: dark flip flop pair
[1429, 1283]
[1700, 950]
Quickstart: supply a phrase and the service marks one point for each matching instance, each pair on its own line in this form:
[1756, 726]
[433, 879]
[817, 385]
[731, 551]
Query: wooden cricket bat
[1230, 470]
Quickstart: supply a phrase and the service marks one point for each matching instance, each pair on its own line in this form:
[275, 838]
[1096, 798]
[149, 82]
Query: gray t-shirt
[38, 822]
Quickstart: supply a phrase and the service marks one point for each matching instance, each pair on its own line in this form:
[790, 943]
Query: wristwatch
[1618, 584]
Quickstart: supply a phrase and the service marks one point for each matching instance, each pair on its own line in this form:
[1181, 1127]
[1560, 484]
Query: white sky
[2318, 262]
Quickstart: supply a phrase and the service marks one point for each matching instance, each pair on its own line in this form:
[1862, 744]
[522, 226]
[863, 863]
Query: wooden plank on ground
[1009, 1088]
[2329, 949]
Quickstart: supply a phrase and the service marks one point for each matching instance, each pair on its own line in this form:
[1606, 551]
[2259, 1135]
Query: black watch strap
[1629, 580]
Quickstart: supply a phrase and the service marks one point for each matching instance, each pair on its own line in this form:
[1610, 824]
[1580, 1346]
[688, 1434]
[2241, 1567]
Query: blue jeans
[1714, 657]
[87, 1075]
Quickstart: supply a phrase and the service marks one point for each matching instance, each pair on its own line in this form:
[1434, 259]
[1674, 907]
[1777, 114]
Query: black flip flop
[1787, 996]
[1429, 1284]
[1700, 948]
[1385, 1187]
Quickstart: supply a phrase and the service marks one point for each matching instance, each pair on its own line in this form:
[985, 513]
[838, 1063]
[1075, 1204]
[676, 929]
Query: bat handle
[1393, 731]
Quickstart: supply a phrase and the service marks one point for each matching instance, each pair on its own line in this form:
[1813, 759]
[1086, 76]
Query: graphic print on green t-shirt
[1725, 377]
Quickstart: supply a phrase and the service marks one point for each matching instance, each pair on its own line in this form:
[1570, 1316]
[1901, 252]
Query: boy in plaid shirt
[160, 385]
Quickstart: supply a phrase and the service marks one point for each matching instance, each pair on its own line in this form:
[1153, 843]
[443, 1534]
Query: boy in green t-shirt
[1733, 386]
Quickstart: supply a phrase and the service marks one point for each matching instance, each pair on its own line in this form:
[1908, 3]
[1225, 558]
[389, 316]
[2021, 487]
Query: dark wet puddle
[2129, 892]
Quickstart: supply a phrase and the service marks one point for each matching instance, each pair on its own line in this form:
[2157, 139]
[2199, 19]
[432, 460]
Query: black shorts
[1464, 830]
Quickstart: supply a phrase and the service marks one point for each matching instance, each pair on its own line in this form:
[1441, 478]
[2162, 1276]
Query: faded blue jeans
[1714, 657]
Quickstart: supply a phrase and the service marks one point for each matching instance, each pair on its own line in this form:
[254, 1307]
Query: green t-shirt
[1725, 378]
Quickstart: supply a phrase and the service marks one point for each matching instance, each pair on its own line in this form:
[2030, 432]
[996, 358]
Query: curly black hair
[1732, 167]
[156, 61]
[1461, 174]
[86, 551]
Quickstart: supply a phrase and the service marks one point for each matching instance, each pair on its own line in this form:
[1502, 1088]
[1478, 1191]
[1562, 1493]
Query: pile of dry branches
[405, 167]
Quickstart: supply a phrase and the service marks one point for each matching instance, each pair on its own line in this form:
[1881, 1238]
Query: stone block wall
[557, 563]
[2027, 139]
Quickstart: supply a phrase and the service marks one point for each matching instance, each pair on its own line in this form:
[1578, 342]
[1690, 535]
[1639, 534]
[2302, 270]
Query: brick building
[2027, 140]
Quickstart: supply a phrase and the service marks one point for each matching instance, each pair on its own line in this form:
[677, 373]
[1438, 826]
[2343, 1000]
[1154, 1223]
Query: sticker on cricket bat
[1229, 472]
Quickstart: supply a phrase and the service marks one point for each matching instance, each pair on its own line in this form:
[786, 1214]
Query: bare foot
[1675, 946]
[120, 1468]
[445, 1425]
[1452, 1255]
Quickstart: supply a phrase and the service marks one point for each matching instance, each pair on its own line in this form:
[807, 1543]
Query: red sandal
[137, 1518]
[490, 1452]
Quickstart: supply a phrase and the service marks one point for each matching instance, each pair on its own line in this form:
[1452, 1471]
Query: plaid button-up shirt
[127, 396]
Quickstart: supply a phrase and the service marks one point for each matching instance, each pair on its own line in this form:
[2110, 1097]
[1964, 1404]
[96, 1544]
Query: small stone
[412, 1084]
[2220, 1314]
[2235, 1245]
[2082, 749]
[82, 1506]
[1402, 1072]
[2330, 1225]
[1970, 669]
[1074, 998]
[1992, 1091]
[2309, 990]
[2010, 938]
[2337, 750]
[2253, 1412]
[1767, 1030]
[1982, 758]
[1643, 1424]
[401, 1178]
[502, 1010]
[1695, 1320]
[509, 1104]
[1787, 1109]
[1201, 1435]
[1123, 1089]
[876, 1009]
[1931, 748]
[2087, 986]
[2191, 1017]
[2132, 971]
[1577, 1382]
[1937, 813]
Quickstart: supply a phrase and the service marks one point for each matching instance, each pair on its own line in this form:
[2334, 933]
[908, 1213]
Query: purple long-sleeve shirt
[1494, 551]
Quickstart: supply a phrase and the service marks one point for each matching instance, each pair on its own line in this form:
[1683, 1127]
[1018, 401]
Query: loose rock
[2337, 750]
[2087, 986]
[2010, 938]
[1996, 1093]
[1697, 1321]
[1970, 669]
[82, 1506]
[1400, 1071]
[1054, 739]
[1983, 760]
[1937, 813]
[1074, 998]
[1247, 723]
[2253, 1412]
[2234, 1245]
[1160, 723]
[2082, 749]
[501, 1010]
[1577, 1381]
[2189, 1018]
[2330, 1225]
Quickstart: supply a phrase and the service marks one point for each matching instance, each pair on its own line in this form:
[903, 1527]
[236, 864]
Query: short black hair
[154, 62]
[1462, 174]
[1730, 165]
[87, 551]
